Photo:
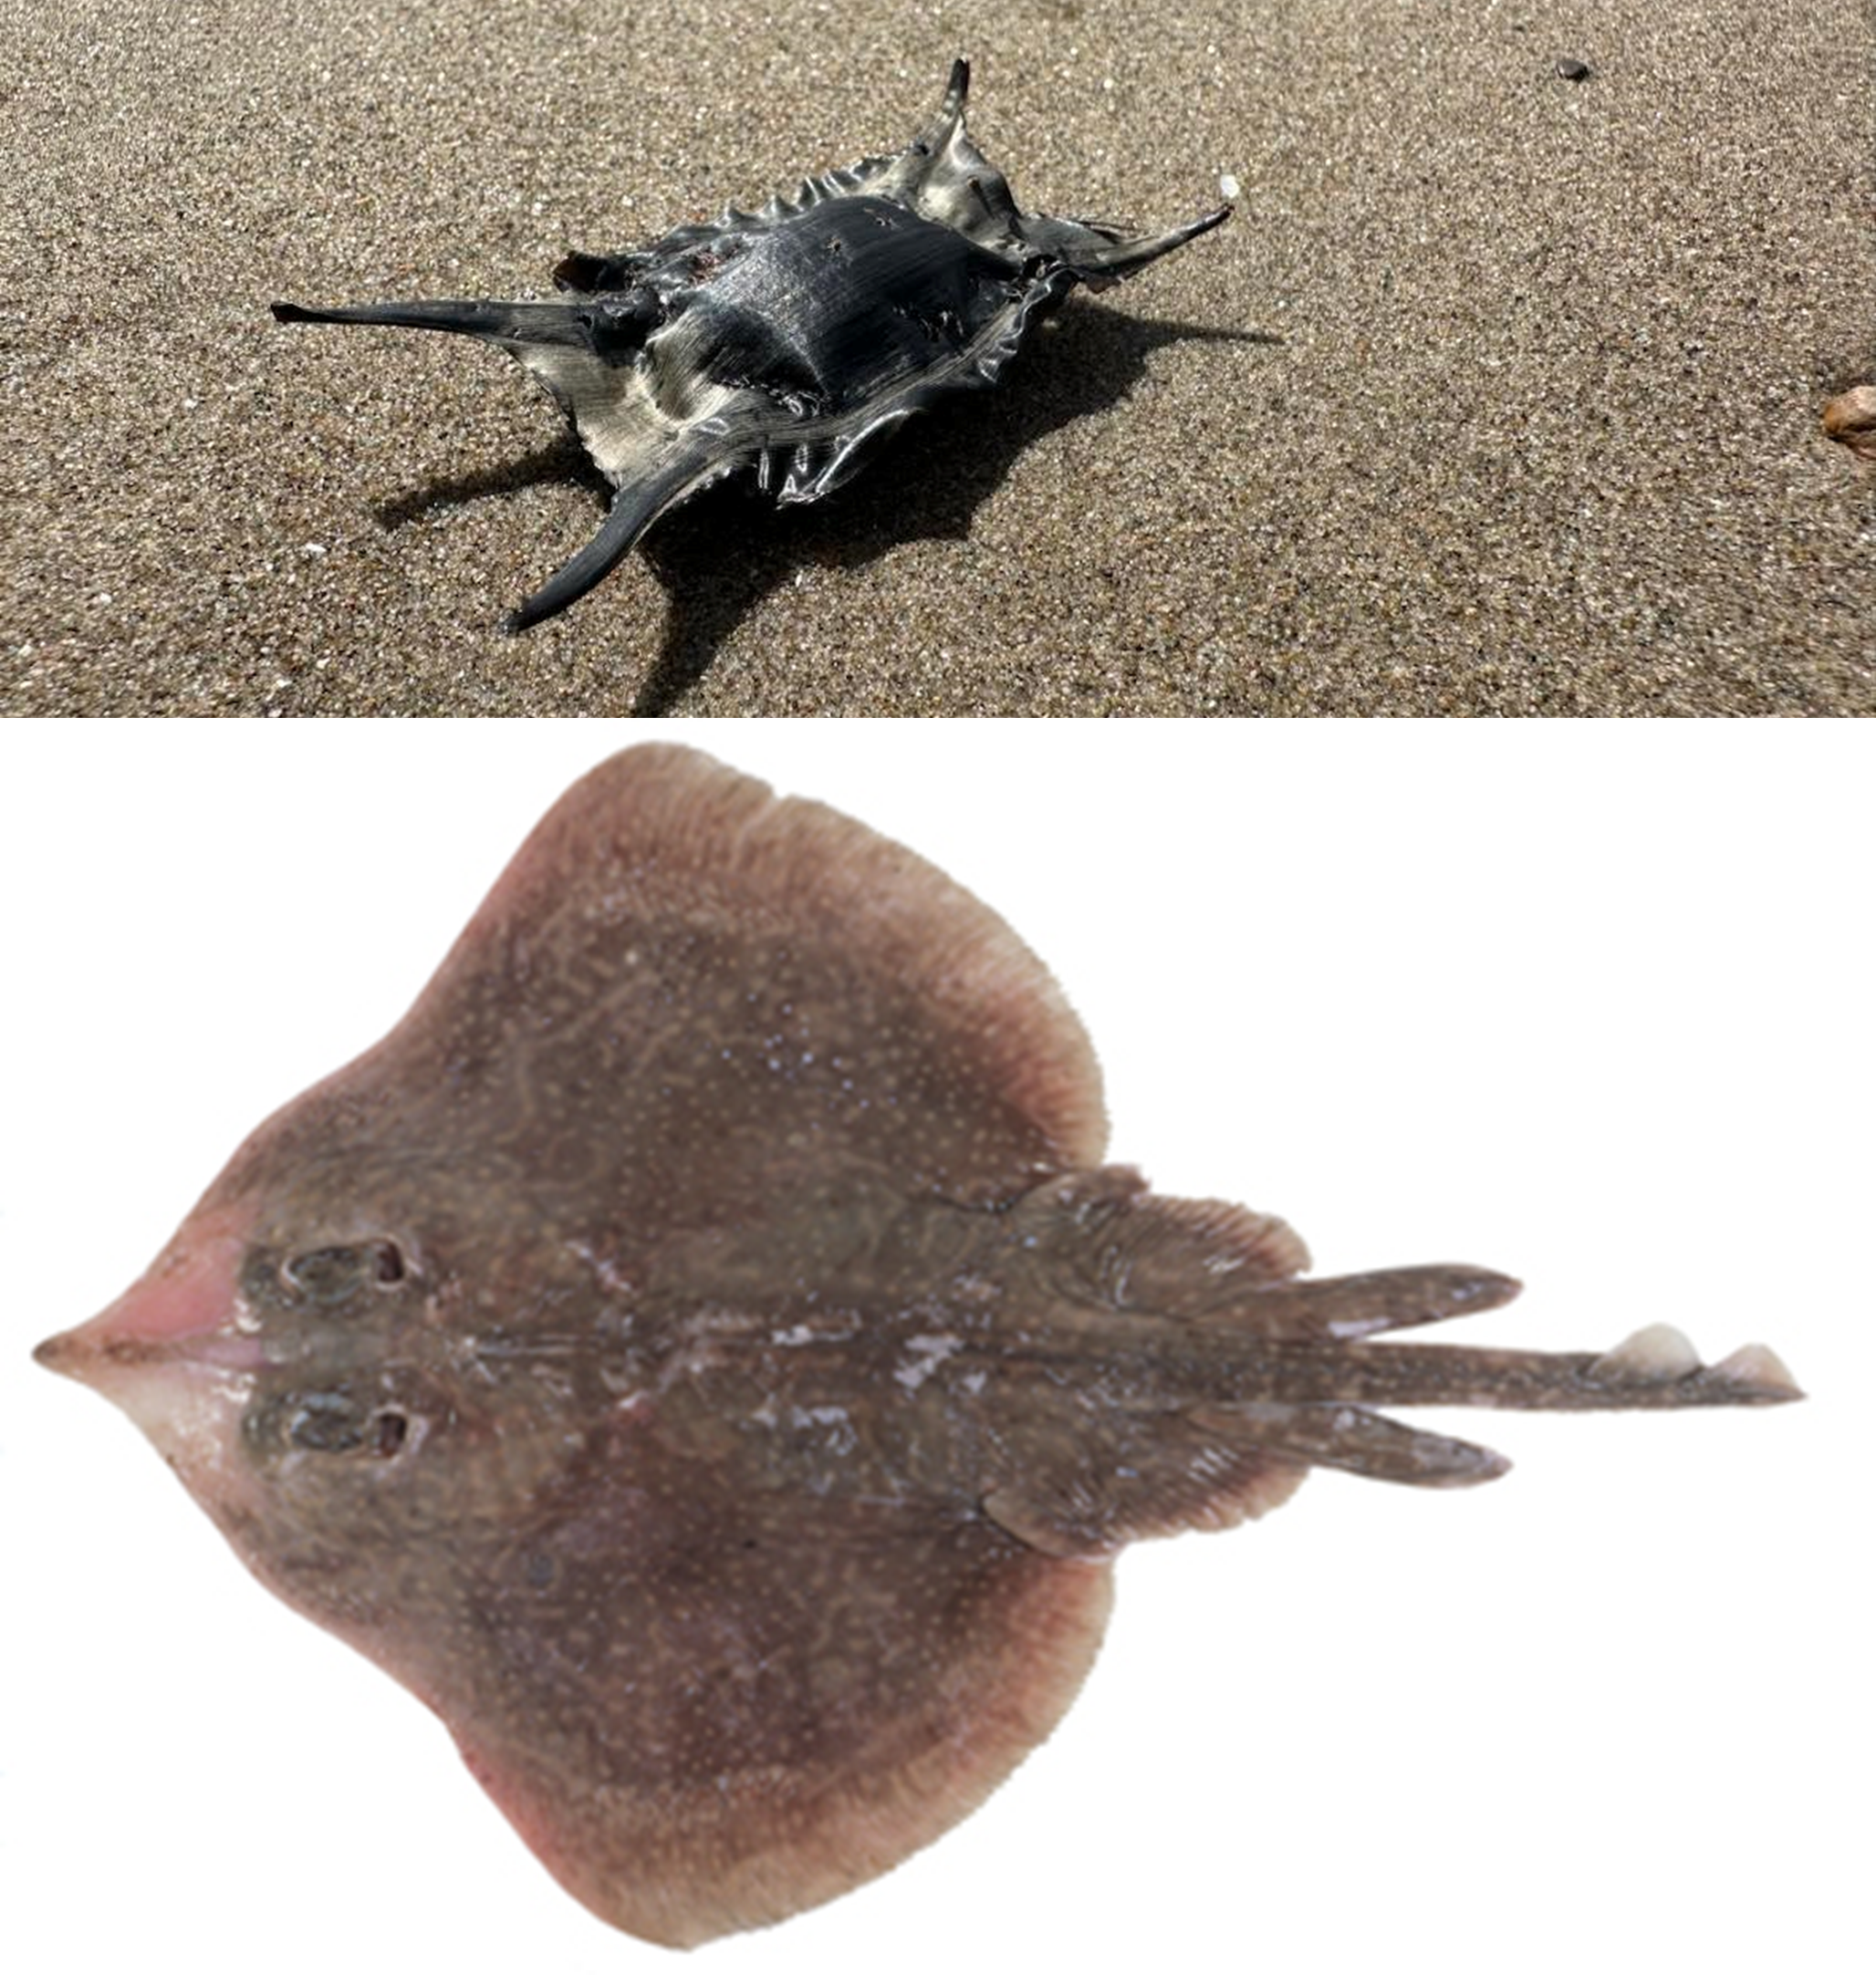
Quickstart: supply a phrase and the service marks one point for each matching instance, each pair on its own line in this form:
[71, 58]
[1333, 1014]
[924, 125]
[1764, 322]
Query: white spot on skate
[923, 1357]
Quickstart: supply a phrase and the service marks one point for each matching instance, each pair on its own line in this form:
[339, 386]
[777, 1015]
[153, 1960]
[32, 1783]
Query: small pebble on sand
[1851, 419]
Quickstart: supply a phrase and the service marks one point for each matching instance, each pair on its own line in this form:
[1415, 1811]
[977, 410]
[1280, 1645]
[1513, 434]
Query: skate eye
[326, 1275]
[325, 1423]
[331, 1423]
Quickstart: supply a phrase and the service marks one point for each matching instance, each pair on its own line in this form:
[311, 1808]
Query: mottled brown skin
[701, 1352]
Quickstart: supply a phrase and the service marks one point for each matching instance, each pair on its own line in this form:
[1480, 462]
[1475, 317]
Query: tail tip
[1660, 1354]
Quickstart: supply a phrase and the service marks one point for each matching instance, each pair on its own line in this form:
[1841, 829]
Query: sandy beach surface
[1500, 394]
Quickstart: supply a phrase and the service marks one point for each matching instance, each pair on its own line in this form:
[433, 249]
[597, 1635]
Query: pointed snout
[185, 1311]
[178, 1354]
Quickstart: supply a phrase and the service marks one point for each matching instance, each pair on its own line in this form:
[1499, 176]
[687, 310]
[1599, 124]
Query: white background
[1589, 1004]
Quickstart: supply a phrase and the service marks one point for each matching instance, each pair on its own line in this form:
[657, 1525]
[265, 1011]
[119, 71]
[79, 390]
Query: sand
[1500, 394]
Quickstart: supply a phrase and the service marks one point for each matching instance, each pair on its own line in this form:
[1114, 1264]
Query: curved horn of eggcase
[635, 506]
[493, 322]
